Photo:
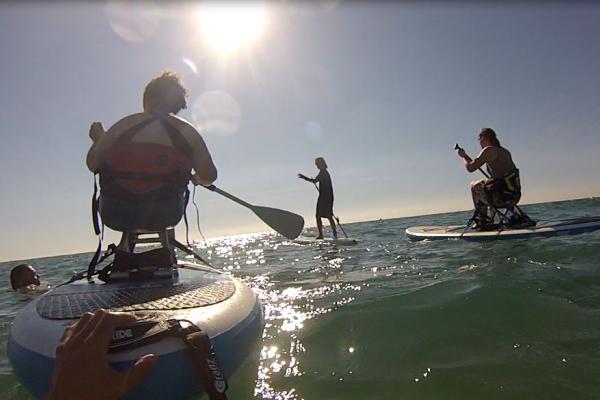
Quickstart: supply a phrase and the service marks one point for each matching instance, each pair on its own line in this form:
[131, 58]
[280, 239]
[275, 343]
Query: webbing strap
[203, 358]
[95, 208]
[94, 261]
[97, 231]
[197, 342]
[186, 200]
[128, 135]
[179, 142]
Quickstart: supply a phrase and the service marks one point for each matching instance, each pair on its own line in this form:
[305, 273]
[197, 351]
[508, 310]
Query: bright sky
[382, 90]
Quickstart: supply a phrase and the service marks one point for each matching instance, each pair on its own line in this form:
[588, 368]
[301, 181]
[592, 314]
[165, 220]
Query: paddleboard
[338, 241]
[226, 309]
[543, 228]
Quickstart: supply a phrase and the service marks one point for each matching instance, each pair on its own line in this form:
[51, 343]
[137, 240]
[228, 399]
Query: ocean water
[394, 319]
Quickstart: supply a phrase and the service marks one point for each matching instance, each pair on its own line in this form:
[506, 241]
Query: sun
[230, 26]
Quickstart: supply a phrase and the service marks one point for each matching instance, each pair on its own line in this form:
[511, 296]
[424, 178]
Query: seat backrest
[144, 185]
[506, 191]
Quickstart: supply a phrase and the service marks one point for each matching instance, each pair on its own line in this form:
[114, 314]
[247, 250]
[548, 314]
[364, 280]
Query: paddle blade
[284, 222]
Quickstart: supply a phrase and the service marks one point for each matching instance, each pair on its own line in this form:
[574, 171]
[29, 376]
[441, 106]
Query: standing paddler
[325, 200]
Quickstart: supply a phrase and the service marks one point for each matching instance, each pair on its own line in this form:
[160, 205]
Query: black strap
[95, 208]
[179, 142]
[94, 261]
[203, 358]
[186, 200]
[96, 223]
[128, 135]
[197, 342]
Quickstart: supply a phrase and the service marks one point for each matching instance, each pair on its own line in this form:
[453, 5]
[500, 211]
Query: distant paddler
[325, 200]
[501, 189]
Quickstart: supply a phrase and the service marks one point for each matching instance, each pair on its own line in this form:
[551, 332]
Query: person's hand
[82, 370]
[462, 153]
[196, 180]
[96, 131]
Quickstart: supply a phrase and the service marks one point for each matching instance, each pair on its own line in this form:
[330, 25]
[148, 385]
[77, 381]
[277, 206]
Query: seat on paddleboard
[143, 191]
[504, 195]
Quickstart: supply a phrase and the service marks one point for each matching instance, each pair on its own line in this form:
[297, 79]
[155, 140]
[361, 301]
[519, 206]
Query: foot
[334, 235]
[319, 237]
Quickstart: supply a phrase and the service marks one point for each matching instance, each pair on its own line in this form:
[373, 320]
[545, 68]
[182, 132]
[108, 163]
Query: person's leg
[332, 223]
[125, 243]
[480, 197]
[319, 227]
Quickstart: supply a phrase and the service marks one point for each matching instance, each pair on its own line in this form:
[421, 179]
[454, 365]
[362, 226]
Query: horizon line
[311, 226]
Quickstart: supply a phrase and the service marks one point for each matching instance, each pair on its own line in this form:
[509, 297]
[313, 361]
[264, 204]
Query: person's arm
[306, 178]
[82, 371]
[205, 172]
[482, 158]
[103, 141]
[96, 133]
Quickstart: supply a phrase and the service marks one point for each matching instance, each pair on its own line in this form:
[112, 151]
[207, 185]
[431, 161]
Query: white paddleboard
[543, 228]
[338, 241]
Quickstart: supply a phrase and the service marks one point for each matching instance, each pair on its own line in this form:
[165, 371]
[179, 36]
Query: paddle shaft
[231, 197]
[457, 147]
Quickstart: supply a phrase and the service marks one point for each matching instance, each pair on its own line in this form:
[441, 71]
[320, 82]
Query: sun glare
[231, 26]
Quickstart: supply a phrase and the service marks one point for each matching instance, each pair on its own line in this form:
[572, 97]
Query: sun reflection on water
[265, 261]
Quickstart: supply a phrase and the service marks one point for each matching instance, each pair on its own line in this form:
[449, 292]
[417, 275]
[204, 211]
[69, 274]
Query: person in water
[325, 200]
[501, 169]
[145, 160]
[82, 371]
[25, 279]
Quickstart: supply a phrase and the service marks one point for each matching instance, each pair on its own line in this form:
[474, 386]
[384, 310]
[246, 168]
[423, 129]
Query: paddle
[284, 222]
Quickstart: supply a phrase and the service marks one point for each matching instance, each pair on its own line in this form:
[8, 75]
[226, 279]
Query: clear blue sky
[382, 90]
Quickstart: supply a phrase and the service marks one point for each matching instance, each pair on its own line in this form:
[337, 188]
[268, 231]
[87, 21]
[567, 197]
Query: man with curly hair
[145, 160]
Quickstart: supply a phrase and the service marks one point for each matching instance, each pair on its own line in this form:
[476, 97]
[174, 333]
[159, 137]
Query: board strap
[196, 340]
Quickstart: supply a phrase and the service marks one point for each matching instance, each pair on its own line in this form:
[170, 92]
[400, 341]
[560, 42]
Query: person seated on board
[325, 200]
[25, 279]
[145, 161]
[82, 371]
[503, 189]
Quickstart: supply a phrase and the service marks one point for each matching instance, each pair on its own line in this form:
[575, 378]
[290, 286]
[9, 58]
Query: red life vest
[135, 171]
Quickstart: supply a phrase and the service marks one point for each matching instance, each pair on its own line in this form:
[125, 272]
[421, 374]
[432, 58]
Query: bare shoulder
[182, 123]
[186, 128]
[488, 153]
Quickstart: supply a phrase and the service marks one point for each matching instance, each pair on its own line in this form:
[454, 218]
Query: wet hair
[321, 161]
[491, 135]
[15, 274]
[165, 94]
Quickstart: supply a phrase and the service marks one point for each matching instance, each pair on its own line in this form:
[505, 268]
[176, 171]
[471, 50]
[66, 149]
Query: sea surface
[395, 319]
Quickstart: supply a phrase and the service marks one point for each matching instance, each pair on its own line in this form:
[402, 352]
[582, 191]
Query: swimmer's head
[23, 275]
[165, 94]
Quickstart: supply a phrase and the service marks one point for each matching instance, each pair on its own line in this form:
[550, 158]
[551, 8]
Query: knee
[474, 184]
